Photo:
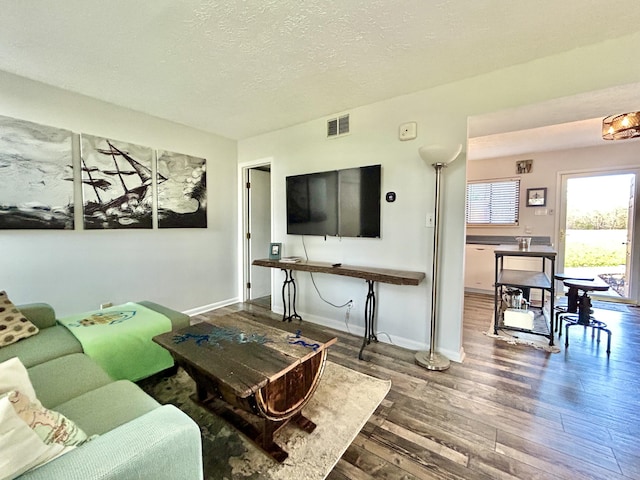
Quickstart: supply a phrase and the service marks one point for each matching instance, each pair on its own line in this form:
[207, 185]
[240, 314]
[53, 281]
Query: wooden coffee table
[256, 377]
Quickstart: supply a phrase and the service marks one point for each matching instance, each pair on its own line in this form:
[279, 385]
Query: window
[493, 203]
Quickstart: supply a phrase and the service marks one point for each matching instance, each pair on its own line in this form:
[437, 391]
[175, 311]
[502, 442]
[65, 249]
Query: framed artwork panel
[36, 176]
[116, 183]
[182, 190]
[536, 197]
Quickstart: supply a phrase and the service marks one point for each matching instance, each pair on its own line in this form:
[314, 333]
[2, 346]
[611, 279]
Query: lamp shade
[440, 154]
[620, 127]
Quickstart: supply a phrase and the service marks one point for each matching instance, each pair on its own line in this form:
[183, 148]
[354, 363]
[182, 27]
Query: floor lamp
[439, 156]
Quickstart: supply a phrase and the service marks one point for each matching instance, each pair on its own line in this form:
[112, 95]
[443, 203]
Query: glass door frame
[634, 260]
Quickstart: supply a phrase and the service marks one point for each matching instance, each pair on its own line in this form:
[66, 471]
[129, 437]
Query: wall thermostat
[408, 131]
[391, 196]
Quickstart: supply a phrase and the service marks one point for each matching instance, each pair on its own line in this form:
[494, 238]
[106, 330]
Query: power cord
[348, 303]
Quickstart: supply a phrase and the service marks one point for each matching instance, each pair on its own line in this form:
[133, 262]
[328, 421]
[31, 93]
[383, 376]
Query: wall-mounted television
[342, 203]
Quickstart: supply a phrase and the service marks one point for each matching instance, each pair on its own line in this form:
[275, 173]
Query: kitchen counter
[504, 240]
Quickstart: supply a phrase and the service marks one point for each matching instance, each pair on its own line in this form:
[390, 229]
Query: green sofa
[137, 437]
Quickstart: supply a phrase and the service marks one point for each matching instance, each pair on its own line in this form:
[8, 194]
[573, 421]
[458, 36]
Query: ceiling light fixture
[621, 127]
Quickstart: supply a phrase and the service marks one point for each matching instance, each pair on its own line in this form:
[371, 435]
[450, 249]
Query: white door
[629, 240]
[597, 228]
[259, 229]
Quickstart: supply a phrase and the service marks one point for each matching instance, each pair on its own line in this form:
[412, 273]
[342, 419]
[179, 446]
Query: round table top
[564, 276]
[596, 285]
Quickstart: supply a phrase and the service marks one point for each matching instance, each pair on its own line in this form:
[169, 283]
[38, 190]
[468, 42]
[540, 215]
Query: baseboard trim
[212, 306]
[384, 337]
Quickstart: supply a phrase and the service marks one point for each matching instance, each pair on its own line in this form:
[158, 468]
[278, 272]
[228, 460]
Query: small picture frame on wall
[275, 251]
[536, 197]
[524, 166]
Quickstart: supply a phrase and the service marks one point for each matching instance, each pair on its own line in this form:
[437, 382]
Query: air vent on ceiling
[338, 126]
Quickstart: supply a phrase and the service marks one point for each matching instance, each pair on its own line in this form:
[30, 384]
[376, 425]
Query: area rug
[522, 338]
[340, 407]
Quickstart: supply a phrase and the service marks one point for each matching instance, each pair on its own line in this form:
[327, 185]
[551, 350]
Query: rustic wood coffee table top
[255, 376]
[242, 354]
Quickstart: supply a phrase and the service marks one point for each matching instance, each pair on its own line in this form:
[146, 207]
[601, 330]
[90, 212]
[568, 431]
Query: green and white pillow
[30, 434]
[13, 325]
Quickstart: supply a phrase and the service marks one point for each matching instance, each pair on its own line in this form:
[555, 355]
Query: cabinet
[478, 267]
[540, 279]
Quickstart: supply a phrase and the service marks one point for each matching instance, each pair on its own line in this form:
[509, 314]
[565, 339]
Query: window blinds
[493, 203]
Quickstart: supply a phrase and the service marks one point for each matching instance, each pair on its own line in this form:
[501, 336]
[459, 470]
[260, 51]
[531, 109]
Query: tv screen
[343, 202]
[312, 204]
[359, 202]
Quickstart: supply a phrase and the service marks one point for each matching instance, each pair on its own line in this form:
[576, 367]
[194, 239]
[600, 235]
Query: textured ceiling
[241, 68]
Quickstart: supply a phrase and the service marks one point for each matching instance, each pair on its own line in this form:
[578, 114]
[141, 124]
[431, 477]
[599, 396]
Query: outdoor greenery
[614, 219]
[595, 248]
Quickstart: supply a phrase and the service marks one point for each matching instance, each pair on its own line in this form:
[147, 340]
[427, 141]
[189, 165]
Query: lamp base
[433, 361]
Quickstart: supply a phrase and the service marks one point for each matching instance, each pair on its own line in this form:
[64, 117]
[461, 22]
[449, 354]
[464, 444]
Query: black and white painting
[182, 191]
[36, 176]
[116, 183]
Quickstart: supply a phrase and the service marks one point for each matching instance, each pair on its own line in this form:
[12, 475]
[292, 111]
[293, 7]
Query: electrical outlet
[429, 221]
[408, 131]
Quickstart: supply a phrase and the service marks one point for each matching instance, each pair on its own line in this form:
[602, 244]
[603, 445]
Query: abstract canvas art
[116, 183]
[182, 191]
[36, 176]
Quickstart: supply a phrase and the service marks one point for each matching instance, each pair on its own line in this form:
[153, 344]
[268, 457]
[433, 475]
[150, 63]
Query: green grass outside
[595, 248]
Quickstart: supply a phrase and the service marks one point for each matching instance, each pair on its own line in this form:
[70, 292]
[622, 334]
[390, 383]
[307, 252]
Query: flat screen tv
[342, 203]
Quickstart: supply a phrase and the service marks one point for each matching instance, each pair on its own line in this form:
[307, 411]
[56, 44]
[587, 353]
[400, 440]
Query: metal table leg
[369, 318]
[286, 301]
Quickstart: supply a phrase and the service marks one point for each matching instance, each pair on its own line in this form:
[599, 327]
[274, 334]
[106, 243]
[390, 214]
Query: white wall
[186, 269]
[441, 113]
[547, 167]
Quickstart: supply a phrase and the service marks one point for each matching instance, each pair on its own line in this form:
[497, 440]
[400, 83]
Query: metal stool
[572, 299]
[584, 317]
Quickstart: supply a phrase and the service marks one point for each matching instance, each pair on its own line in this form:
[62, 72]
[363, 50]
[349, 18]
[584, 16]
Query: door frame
[243, 223]
[634, 278]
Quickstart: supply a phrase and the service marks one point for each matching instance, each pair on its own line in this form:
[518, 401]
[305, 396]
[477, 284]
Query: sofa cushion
[108, 407]
[66, 377]
[50, 343]
[14, 325]
[41, 315]
[178, 319]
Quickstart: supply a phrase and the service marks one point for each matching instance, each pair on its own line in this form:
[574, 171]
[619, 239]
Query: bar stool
[572, 298]
[584, 317]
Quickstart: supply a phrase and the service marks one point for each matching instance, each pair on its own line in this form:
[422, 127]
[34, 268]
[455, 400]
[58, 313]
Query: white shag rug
[522, 338]
[340, 407]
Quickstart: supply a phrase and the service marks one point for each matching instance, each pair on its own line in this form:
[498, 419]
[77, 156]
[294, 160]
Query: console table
[369, 274]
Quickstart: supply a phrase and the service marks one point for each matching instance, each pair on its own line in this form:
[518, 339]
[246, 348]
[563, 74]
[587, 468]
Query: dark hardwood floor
[506, 412]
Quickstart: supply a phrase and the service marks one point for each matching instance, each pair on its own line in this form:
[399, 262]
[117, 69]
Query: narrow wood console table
[369, 274]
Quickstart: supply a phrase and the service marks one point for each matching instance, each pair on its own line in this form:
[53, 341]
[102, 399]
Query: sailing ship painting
[116, 184]
[36, 176]
[182, 191]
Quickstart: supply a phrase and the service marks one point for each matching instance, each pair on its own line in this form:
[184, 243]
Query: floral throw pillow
[13, 325]
[51, 426]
